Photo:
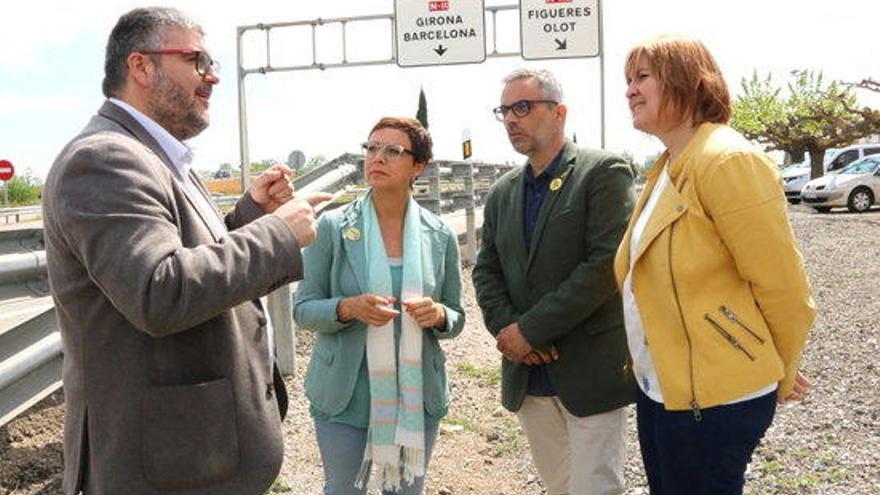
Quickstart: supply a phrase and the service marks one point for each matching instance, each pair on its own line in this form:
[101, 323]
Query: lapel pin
[555, 184]
[352, 234]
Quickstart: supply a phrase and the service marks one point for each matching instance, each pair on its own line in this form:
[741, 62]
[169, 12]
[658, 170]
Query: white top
[181, 157]
[643, 365]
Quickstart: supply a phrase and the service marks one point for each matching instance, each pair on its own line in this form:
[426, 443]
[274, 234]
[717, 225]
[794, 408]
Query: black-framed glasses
[391, 151]
[519, 108]
[204, 63]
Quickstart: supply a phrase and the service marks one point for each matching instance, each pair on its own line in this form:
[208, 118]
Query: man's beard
[175, 110]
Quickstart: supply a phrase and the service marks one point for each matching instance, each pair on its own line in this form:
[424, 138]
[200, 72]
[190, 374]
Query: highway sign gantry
[439, 32]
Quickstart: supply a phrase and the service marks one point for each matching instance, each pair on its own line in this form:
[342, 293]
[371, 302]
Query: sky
[51, 66]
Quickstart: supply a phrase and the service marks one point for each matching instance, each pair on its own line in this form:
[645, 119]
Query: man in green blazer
[545, 285]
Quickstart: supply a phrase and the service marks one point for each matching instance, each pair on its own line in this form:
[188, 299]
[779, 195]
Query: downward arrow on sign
[440, 50]
[561, 45]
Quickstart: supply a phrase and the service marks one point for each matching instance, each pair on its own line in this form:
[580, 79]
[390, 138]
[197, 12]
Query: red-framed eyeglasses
[204, 63]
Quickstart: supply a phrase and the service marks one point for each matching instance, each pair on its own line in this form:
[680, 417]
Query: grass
[279, 487]
[486, 377]
[466, 423]
[510, 438]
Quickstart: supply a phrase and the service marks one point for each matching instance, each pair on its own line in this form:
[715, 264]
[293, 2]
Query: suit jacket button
[270, 391]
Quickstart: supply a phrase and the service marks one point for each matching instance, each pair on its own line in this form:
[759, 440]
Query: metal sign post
[470, 249]
[7, 172]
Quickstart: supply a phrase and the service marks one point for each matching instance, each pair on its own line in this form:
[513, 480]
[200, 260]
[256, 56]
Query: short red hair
[690, 81]
[422, 145]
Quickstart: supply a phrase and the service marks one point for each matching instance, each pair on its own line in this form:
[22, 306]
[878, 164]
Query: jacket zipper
[730, 315]
[695, 406]
[728, 337]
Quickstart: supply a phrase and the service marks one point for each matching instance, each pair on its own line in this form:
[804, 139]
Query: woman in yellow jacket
[716, 301]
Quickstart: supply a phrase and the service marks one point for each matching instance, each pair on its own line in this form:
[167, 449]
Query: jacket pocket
[190, 438]
[733, 341]
[733, 318]
[436, 385]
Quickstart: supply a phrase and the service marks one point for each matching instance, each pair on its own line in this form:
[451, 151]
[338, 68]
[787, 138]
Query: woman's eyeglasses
[391, 151]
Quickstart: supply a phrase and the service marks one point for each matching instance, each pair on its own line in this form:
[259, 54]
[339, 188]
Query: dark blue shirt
[536, 190]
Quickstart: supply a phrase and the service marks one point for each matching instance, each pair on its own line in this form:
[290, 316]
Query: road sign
[559, 28]
[466, 150]
[7, 171]
[439, 32]
[295, 160]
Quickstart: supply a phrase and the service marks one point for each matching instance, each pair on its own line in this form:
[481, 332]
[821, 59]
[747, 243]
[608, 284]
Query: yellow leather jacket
[718, 279]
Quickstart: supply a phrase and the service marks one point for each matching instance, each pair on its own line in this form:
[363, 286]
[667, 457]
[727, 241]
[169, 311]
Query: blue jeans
[707, 457]
[342, 452]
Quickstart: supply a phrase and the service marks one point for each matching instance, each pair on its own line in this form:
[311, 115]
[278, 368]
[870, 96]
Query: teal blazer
[562, 289]
[335, 267]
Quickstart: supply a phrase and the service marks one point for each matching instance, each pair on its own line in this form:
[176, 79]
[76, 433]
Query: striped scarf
[396, 434]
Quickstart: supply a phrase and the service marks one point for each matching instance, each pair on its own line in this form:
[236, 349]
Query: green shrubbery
[22, 190]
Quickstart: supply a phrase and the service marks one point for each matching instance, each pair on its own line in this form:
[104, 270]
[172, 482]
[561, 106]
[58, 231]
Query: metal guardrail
[30, 343]
[31, 352]
[30, 364]
[19, 212]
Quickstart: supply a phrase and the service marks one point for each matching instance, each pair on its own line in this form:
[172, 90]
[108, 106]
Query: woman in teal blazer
[377, 379]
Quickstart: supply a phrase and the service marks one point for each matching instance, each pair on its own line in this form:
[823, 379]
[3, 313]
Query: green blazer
[335, 267]
[561, 291]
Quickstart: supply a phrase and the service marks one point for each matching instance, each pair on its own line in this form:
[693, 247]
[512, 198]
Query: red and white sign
[7, 171]
[438, 6]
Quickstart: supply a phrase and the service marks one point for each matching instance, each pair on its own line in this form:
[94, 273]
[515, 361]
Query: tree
[224, 171]
[261, 166]
[422, 112]
[810, 117]
[631, 160]
[650, 161]
[23, 190]
[870, 123]
[314, 162]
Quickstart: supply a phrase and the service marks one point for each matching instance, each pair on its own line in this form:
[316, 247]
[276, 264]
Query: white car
[856, 187]
[796, 176]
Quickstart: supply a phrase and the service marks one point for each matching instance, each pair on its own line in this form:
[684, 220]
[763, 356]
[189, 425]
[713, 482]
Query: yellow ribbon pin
[352, 234]
[555, 184]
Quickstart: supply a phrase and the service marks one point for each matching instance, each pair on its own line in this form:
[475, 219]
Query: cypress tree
[422, 113]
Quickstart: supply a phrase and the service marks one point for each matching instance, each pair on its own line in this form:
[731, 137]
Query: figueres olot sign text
[559, 28]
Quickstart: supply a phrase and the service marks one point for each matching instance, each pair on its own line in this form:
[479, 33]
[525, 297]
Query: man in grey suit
[169, 377]
[545, 285]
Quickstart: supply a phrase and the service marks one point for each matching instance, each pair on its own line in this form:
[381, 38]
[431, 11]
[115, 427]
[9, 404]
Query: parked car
[856, 187]
[795, 178]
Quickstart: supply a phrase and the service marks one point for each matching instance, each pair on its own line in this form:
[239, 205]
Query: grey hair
[550, 87]
[139, 29]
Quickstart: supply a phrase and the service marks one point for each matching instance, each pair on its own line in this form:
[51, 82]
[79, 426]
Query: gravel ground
[829, 445]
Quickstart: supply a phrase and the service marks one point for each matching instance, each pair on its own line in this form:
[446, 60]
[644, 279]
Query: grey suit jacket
[167, 382]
